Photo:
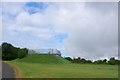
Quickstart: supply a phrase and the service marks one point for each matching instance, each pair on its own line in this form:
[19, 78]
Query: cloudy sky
[88, 30]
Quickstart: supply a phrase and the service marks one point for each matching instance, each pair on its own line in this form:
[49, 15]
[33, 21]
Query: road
[0, 69]
[7, 71]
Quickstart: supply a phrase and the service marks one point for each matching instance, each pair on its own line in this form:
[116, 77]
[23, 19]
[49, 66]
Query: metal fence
[44, 51]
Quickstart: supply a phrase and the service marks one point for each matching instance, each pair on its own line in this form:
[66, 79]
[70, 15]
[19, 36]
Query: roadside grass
[50, 66]
[17, 71]
[37, 70]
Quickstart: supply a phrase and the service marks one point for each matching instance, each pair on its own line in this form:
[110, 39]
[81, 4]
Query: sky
[78, 29]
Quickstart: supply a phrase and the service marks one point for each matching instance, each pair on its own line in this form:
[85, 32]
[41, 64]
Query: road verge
[17, 71]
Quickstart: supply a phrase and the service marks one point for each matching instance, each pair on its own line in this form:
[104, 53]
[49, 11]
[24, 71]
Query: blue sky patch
[34, 7]
[58, 38]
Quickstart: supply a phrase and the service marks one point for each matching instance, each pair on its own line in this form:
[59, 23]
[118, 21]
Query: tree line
[111, 61]
[9, 52]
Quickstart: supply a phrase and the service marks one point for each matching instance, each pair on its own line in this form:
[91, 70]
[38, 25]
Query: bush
[9, 52]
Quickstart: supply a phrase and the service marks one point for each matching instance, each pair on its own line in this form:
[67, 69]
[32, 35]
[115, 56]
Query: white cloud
[92, 33]
[12, 8]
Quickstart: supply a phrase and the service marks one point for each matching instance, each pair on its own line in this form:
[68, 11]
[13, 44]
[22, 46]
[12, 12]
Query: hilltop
[44, 58]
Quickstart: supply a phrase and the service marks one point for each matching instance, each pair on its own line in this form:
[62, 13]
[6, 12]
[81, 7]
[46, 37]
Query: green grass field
[44, 59]
[44, 66]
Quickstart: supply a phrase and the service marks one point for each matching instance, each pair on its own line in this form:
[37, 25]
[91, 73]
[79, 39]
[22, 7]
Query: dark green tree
[8, 52]
[98, 62]
[104, 61]
[83, 61]
[88, 61]
[112, 61]
[22, 53]
[68, 58]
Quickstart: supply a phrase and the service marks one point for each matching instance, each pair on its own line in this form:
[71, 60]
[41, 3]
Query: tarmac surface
[7, 71]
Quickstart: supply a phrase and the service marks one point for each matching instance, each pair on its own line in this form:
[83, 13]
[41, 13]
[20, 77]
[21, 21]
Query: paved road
[7, 71]
[0, 69]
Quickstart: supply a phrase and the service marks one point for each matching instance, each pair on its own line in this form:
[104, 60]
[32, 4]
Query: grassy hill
[44, 58]
[51, 66]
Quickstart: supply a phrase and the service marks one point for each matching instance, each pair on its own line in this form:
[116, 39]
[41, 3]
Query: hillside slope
[44, 58]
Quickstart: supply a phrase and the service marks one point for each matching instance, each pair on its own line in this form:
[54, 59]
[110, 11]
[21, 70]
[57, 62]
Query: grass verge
[37, 70]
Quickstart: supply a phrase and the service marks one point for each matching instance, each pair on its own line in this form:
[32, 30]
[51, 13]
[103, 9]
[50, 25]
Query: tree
[105, 61]
[76, 60]
[117, 62]
[68, 58]
[112, 61]
[88, 61]
[79, 58]
[22, 53]
[83, 60]
[0, 52]
[98, 62]
[8, 52]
